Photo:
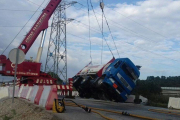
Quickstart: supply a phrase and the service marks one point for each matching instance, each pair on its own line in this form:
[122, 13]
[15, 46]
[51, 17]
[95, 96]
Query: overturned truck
[113, 81]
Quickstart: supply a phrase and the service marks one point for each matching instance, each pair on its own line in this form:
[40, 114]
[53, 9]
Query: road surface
[76, 113]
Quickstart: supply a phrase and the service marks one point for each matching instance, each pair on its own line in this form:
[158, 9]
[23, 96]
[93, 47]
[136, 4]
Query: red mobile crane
[29, 71]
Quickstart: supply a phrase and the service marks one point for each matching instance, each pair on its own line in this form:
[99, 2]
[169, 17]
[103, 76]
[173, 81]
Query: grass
[156, 104]
[6, 118]
[13, 111]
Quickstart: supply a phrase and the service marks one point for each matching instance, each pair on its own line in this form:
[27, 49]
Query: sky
[146, 31]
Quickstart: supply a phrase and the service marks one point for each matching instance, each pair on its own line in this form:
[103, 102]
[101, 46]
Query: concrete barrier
[24, 92]
[3, 92]
[10, 91]
[51, 97]
[38, 95]
[174, 103]
[34, 92]
[44, 96]
[20, 90]
[29, 93]
[75, 93]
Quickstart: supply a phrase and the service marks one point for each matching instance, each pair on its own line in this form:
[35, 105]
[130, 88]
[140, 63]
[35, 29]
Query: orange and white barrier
[44, 95]
[34, 92]
[63, 87]
[71, 84]
[20, 90]
[51, 97]
[29, 93]
[38, 95]
[24, 91]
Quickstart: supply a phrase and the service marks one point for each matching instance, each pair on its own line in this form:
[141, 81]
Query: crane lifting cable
[102, 7]
[100, 28]
[103, 14]
[89, 30]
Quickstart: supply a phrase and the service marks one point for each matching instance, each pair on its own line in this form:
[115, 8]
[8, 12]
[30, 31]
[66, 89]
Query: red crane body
[29, 71]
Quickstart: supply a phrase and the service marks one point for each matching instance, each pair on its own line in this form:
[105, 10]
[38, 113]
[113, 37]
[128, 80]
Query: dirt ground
[23, 110]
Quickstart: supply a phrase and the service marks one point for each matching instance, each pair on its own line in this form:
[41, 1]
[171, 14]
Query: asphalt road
[76, 113]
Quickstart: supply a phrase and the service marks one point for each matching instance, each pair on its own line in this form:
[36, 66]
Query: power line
[34, 3]
[14, 10]
[103, 36]
[136, 46]
[21, 28]
[133, 32]
[139, 23]
[14, 26]
[126, 53]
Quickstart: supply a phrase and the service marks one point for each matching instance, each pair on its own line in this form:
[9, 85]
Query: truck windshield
[129, 71]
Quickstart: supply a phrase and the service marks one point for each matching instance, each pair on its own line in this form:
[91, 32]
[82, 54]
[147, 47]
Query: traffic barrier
[38, 95]
[34, 92]
[29, 93]
[71, 84]
[174, 103]
[70, 87]
[52, 95]
[63, 89]
[10, 91]
[24, 91]
[44, 95]
[3, 92]
[75, 93]
[130, 99]
[20, 90]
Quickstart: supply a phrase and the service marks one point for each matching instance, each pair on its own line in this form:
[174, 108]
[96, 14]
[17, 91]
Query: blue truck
[113, 81]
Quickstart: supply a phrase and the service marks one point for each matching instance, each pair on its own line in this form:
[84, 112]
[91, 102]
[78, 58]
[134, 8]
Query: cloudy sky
[146, 31]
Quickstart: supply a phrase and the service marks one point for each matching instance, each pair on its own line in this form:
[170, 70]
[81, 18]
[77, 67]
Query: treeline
[152, 85]
[163, 81]
[151, 89]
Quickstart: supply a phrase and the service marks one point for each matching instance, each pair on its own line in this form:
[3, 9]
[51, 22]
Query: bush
[159, 99]
[155, 104]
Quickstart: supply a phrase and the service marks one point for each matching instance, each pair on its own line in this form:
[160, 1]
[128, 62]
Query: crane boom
[40, 24]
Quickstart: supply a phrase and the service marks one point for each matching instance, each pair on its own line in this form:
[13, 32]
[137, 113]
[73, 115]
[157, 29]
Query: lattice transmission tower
[56, 60]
